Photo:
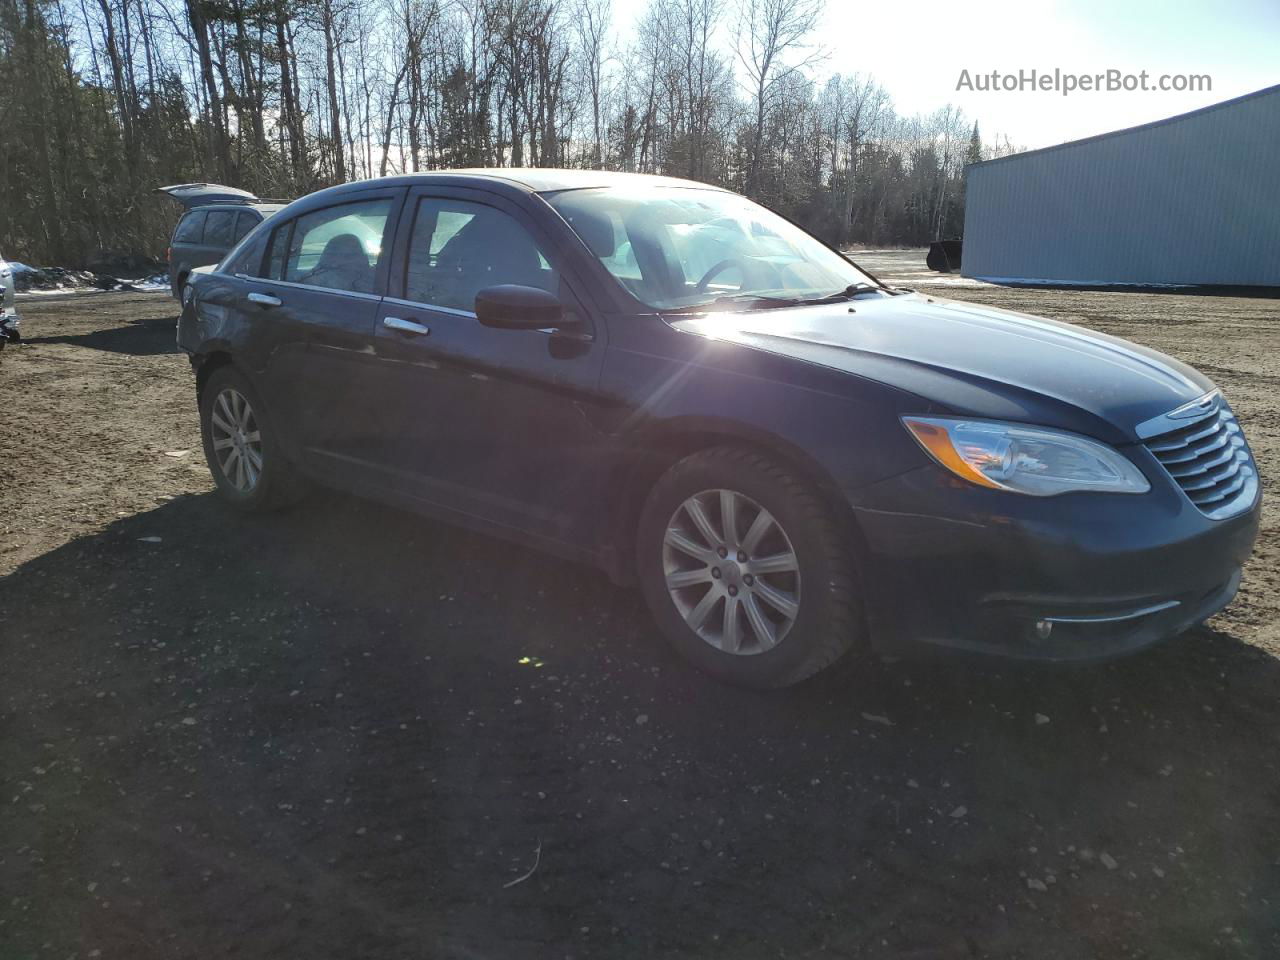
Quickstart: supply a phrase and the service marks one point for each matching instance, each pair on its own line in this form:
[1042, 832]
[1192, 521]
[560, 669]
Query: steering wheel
[720, 268]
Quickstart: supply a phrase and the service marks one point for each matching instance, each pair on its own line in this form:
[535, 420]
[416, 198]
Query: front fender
[839, 427]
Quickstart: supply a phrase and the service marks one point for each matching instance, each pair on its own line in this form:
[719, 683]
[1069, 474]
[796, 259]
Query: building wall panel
[1194, 199]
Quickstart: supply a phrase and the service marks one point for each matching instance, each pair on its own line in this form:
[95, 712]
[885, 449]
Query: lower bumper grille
[1209, 459]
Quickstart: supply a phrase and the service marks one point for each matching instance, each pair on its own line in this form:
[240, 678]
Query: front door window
[458, 248]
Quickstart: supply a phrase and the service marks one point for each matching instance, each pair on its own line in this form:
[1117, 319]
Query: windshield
[678, 247]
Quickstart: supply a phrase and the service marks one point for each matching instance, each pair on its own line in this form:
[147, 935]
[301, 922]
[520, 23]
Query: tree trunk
[219, 162]
[391, 113]
[118, 84]
[289, 101]
[33, 33]
[250, 95]
[331, 86]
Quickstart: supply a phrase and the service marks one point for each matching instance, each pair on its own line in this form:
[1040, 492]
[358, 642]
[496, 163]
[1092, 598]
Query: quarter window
[459, 248]
[339, 248]
[246, 260]
[279, 250]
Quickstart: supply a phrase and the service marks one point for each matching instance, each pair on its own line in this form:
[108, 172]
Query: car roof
[526, 179]
[545, 179]
[499, 180]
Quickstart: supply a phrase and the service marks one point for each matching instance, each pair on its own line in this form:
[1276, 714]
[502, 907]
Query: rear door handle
[263, 299]
[406, 326]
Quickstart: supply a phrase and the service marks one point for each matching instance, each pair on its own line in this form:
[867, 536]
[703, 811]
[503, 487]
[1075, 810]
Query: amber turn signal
[937, 443]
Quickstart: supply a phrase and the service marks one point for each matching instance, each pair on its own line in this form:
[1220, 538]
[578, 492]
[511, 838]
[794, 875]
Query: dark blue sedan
[670, 382]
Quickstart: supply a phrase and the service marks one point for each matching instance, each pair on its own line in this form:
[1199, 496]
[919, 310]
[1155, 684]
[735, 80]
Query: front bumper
[1072, 578]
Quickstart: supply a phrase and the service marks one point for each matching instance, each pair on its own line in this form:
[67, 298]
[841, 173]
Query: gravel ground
[346, 732]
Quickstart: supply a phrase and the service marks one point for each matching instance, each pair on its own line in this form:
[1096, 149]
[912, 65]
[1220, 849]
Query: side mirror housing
[510, 306]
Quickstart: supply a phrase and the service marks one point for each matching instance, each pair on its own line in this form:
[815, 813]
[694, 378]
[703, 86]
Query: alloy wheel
[731, 572]
[237, 440]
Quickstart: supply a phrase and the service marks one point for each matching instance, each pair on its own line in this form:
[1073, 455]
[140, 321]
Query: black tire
[829, 620]
[278, 483]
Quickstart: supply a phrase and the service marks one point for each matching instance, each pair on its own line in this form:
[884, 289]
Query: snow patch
[57, 281]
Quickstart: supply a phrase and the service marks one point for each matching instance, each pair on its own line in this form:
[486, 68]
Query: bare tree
[701, 72]
[100, 100]
[591, 24]
[332, 37]
[769, 31]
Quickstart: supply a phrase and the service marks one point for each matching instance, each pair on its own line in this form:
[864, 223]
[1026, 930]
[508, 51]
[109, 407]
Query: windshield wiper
[847, 293]
[751, 301]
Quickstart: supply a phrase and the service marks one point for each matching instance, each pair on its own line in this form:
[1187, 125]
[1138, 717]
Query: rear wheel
[244, 456]
[742, 566]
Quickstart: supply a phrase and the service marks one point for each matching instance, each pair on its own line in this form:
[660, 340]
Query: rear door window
[219, 228]
[339, 248]
[190, 228]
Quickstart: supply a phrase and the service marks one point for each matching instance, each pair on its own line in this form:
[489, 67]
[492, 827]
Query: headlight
[1032, 460]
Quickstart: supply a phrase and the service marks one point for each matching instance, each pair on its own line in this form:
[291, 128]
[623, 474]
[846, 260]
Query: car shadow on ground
[345, 731]
[137, 338]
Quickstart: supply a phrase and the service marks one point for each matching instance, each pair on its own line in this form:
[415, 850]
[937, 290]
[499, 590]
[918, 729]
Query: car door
[494, 424]
[313, 305]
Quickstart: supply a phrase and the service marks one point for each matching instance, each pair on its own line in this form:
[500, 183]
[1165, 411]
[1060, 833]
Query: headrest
[345, 246]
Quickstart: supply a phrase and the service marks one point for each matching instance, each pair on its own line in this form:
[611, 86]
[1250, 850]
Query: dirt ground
[346, 732]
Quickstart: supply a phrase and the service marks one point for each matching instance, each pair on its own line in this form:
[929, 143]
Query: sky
[916, 49]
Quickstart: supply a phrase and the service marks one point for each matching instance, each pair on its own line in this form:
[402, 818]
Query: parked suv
[216, 219]
[668, 381]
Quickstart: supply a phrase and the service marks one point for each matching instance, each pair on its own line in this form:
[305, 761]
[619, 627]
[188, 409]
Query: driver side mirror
[510, 306]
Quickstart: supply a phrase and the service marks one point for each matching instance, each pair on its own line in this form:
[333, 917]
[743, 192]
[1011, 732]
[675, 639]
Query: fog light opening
[1043, 629]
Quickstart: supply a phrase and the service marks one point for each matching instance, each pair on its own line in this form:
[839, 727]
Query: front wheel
[249, 468]
[743, 568]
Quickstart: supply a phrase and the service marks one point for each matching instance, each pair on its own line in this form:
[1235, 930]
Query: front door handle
[406, 326]
[263, 299]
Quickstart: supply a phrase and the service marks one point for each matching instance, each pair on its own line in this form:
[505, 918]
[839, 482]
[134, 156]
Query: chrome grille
[1210, 461]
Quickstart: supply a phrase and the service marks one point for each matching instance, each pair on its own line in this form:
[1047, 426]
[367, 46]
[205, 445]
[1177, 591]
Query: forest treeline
[103, 100]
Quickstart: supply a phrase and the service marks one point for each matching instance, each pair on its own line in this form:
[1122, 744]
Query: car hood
[974, 360]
